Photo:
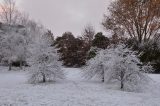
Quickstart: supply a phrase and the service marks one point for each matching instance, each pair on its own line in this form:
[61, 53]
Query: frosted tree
[44, 62]
[16, 43]
[120, 65]
[125, 67]
[95, 67]
[13, 47]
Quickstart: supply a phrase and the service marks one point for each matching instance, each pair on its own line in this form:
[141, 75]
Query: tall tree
[139, 19]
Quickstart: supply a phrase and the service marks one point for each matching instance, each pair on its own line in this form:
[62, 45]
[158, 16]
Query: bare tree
[9, 13]
[88, 34]
[138, 19]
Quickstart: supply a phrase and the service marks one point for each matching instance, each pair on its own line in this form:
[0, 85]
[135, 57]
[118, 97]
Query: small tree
[44, 64]
[44, 71]
[125, 70]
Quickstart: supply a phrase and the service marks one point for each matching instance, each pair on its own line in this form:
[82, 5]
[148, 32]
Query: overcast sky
[66, 15]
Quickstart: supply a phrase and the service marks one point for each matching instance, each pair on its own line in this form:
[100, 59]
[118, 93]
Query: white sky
[66, 15]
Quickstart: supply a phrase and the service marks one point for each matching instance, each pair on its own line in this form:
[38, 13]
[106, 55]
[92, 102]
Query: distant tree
[81, 52]
[71, 50]
[100, 41]
[64, 45]
[137, 19]
[9, 13]
[88, 34]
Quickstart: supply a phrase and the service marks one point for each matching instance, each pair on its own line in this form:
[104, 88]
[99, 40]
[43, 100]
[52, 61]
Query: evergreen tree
[100, 41]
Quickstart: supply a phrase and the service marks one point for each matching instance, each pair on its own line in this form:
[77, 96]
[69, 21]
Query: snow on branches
[118, 64]
[45, 66]
[13, 47]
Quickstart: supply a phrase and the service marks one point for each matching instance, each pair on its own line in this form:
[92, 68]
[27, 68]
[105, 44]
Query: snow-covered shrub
[118, 65]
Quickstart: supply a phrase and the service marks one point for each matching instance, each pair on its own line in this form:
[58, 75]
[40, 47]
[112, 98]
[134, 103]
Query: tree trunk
[10, 66]
[44, 78]
[122, 79]
[103, 79]
[103, 76]
[122, 85]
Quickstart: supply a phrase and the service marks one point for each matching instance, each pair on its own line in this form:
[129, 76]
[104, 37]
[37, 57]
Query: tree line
[75, 51]
[133, 23]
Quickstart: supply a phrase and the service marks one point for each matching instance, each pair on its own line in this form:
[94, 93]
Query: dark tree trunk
[122, 81]
[103, 79]
[44, 78]
[103, 76]
[122, 85]
[10, 66]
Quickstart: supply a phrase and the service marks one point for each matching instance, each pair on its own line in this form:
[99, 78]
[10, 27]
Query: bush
[148, 52]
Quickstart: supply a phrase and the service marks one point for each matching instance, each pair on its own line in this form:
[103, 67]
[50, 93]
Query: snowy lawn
[73, 91]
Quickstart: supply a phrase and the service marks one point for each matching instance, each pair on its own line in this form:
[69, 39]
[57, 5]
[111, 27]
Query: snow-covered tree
[16, 42]
[118, 64]
[95, 66]
[13, 46]
[44, 63]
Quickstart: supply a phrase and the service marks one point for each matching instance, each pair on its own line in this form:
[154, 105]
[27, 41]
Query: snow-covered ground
[73, 91]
